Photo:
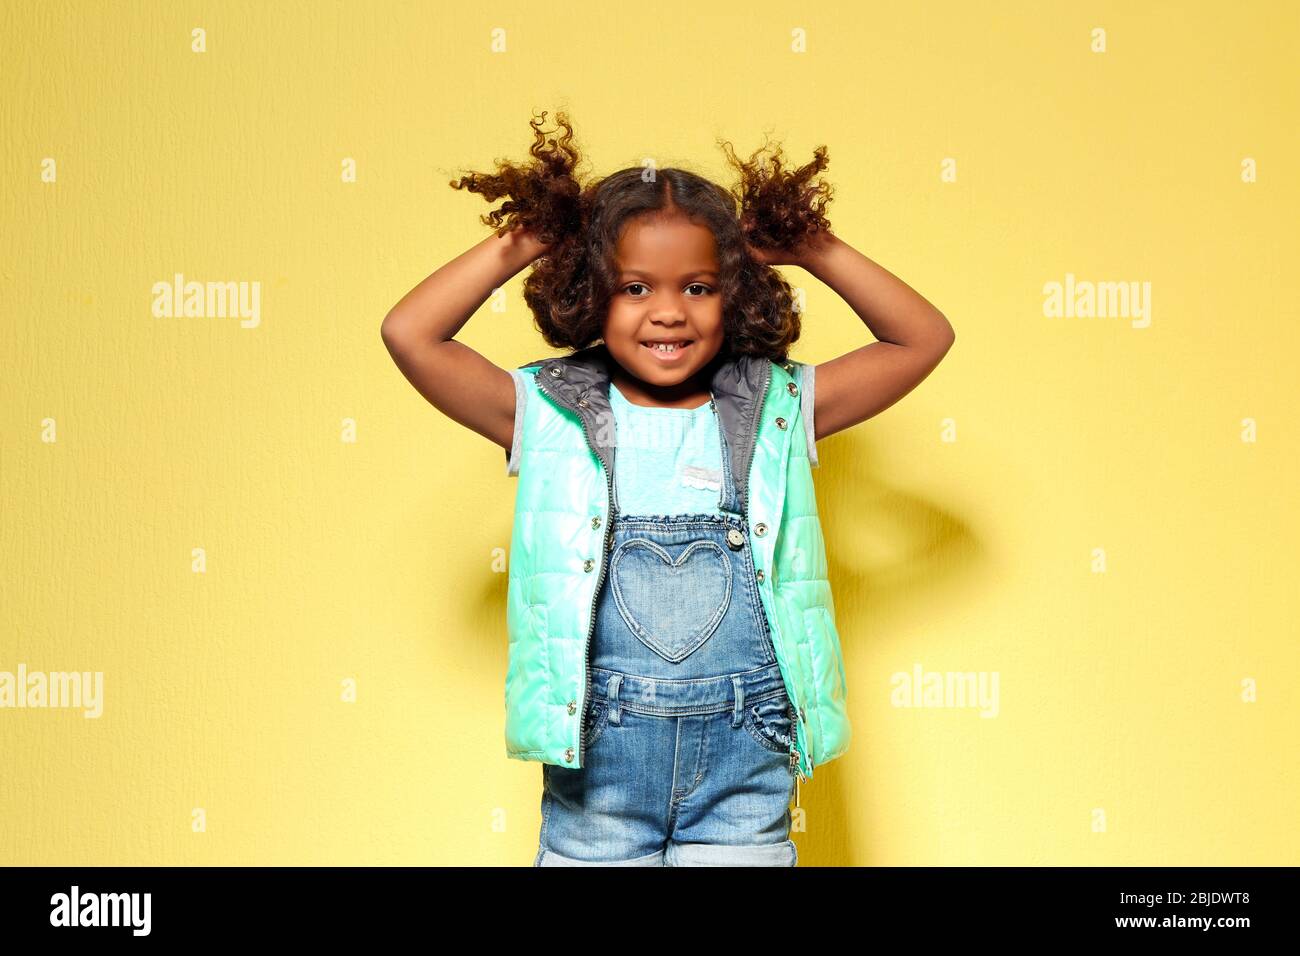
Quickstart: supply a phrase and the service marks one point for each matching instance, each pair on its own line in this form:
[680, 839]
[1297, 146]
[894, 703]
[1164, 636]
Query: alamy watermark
[208, 300]
[1084, 299]
[921, 688]
[53, 689]
[76, 908]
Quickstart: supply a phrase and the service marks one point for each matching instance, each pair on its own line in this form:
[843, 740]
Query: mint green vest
[561, 538]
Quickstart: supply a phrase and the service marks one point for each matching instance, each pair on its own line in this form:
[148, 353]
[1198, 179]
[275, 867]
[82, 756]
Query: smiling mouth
[668, 349]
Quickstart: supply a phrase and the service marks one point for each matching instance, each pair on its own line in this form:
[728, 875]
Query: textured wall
[232, 516]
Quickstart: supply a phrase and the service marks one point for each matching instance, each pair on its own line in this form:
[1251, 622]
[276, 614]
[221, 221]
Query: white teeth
[664, 346]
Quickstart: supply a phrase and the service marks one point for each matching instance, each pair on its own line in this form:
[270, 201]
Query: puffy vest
[561, 539]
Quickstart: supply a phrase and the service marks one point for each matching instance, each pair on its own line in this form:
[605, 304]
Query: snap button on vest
[760, 529]
[792, 388]
[595, 522]
[735, 540]
[780, 423]
[759, 574]
[588, 564]
[557, 371]
[573, 707]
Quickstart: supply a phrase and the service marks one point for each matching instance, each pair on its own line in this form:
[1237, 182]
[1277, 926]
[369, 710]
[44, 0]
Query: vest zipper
[600, 580]
[595, 600]
[794, 707]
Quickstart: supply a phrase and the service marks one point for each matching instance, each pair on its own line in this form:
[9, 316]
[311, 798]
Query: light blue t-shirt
[668, 460]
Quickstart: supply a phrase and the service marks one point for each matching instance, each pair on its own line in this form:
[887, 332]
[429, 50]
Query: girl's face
[667, 293]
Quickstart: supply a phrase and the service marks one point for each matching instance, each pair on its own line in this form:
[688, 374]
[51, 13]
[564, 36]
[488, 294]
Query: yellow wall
[963, 523]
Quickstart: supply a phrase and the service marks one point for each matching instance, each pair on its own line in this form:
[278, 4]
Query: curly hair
[570, 286]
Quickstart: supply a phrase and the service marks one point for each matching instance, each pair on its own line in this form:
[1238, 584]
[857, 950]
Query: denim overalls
[687, 732]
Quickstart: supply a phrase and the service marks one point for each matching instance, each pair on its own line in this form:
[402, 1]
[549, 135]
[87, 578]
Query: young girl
[674, 662]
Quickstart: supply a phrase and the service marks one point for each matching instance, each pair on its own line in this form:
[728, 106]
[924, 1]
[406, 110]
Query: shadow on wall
[891, 557]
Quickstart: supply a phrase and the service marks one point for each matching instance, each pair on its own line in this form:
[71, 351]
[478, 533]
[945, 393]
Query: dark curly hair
[570, 286]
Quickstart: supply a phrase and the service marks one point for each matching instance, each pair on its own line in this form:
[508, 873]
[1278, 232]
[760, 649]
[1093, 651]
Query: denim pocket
[597, 720]
[672, 605]
[769, 723]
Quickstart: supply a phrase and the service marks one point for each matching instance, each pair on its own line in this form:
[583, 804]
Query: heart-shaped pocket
[672, 606]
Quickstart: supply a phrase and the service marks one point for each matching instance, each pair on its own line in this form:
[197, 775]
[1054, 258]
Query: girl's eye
[633, 285]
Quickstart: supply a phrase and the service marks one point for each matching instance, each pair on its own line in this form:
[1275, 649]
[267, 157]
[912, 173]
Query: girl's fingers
[769, 257]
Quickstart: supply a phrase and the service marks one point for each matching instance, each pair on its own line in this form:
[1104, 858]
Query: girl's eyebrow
[688, 275]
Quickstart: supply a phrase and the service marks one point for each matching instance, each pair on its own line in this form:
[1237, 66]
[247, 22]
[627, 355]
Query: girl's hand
[770, 257]
[525, 244]
[803, 255]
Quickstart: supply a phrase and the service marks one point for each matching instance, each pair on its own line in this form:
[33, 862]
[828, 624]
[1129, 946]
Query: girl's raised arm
[418, 332]
[913, 337]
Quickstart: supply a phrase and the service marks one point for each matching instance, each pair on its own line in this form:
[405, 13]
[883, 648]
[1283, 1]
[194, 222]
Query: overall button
[735, 540]
[760, 529]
